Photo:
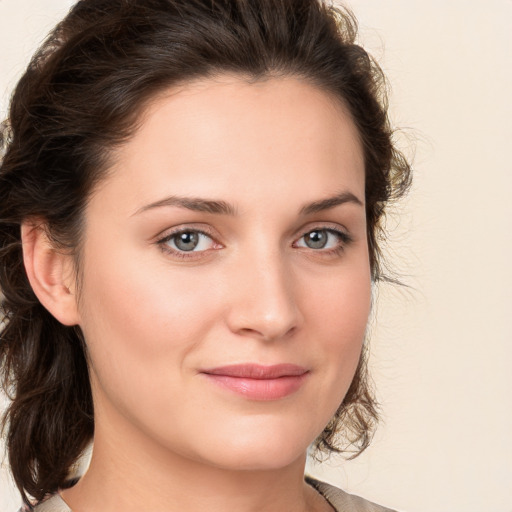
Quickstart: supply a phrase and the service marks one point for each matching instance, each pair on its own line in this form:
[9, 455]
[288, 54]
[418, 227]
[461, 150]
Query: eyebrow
[193, 203]
[330, 202]
[220, 207]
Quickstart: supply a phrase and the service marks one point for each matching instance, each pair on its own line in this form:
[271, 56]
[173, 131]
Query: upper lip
[257, 371]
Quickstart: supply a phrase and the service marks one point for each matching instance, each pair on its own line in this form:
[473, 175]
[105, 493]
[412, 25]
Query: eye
[187, 240]
[323, 238]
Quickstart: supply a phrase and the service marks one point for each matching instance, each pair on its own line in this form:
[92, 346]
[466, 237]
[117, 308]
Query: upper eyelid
[327, 226]
[170, 232]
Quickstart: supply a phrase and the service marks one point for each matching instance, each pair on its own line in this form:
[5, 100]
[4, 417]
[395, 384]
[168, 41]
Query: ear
[50, 273]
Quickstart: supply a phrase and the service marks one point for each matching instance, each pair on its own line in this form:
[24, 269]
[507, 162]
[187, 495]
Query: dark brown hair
[80, 97]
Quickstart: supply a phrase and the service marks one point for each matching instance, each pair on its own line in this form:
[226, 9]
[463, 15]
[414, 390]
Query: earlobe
[50, 273]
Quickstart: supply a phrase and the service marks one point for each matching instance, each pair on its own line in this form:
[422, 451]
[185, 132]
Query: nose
[264, 297]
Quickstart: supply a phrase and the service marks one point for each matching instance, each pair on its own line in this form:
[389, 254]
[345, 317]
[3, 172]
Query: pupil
[187, 241]
[316, 239]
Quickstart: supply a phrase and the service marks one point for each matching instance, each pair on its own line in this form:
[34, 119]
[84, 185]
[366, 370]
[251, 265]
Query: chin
[256, 452]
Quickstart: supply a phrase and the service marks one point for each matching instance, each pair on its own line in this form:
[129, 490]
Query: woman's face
[226, 279]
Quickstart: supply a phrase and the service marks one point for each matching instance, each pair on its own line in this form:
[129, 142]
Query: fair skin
[268, 274]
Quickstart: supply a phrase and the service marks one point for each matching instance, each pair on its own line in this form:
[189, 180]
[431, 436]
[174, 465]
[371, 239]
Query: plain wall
[441, 349]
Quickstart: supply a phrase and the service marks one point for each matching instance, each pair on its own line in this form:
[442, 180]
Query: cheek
[340, 309]
[127, 295]
[141, 321]
[338, 315]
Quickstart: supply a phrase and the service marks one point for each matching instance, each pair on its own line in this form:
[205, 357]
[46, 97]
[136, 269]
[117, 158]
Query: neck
[130, 472]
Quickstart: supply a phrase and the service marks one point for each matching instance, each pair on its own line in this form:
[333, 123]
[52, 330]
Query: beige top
[340, 500]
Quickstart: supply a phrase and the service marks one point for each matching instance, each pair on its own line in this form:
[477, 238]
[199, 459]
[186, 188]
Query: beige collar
[340, 500]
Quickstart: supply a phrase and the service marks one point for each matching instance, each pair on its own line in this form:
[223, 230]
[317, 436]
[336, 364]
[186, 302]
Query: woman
[190, 204]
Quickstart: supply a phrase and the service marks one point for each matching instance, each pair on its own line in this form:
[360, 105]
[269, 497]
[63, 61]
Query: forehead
[227, 135]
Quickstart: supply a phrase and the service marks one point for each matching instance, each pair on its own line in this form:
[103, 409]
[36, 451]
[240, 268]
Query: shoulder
[53, 503]
[343, 501]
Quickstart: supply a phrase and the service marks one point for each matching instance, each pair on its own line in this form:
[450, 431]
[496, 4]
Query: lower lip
[260, 389]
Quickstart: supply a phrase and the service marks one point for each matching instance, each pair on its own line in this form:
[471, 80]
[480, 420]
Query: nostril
[268, 334]
[265, 327]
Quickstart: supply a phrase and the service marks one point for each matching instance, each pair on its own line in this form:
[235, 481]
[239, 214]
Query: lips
[258, 382]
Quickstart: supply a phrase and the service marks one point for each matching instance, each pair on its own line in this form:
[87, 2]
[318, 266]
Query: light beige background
[442, 351]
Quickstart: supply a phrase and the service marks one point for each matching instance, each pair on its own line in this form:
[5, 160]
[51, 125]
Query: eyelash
[345, 239]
